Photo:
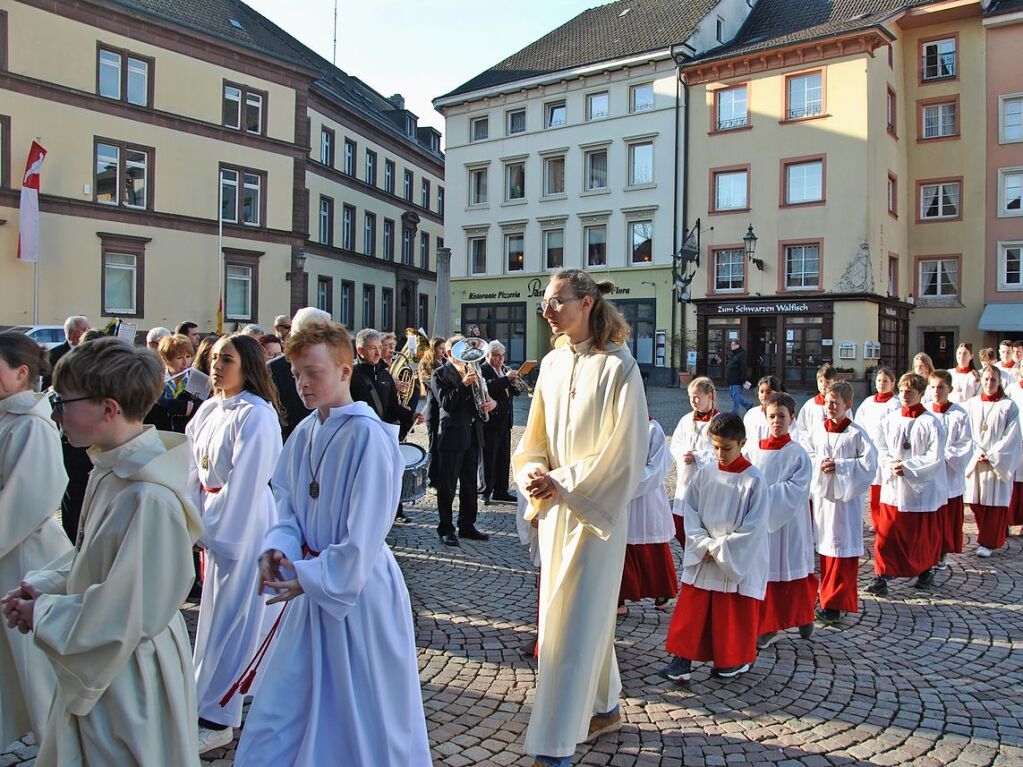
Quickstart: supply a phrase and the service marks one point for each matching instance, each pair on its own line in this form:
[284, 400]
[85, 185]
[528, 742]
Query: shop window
[500, 322]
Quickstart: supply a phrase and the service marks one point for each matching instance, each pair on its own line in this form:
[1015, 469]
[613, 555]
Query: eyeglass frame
[556, 302]
[57, 402]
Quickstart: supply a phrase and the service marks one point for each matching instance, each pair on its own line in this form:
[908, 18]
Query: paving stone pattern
[918, 678]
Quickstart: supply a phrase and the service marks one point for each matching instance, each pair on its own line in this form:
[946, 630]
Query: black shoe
[830, 617]
[806, 630]
[879, 587]
[400, 518]
[449, 539]
[505, 498]
[474, 535]
[925, 580]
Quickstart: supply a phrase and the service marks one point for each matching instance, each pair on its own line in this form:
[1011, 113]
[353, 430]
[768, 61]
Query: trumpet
[406, 362]
[518, 382]
[471, 352]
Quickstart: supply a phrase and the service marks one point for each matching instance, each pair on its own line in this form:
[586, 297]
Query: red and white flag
[28, 242]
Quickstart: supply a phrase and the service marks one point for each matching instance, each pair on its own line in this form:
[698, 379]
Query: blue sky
[419, 48]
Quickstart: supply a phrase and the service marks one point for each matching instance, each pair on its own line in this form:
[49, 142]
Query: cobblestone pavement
[917, 678]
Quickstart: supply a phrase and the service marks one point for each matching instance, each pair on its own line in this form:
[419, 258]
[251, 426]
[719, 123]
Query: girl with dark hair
[965, 378]
[32, 481]
[235, 441]
[755, 419]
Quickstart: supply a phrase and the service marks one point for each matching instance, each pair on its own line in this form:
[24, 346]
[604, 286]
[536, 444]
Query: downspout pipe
[681, 98]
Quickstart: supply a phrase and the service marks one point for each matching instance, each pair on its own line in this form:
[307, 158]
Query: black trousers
[457, 468]
[78, 467]
[496, 460]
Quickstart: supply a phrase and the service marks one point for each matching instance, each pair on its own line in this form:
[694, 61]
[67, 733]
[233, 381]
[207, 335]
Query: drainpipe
[681, 96]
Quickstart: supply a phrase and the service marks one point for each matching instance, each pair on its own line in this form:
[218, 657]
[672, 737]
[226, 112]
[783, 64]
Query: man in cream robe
[109, 616]
[32, 481]
[587, 427]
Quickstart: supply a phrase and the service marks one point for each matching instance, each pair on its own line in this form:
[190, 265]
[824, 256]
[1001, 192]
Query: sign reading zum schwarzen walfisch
[774, 307]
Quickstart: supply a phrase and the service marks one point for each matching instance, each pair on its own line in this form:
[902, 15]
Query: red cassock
[952, 516]
[787, 604]
[907, 543]
[992, 522]
[1016, 504]
[649, 571]
[714, 626]
[839, 583]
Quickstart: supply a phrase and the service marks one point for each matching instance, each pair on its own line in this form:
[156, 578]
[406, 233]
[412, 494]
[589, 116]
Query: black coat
[503, 393]
[735, 370]
[457, 418]
[55, 354]
[368, 378]
[294, 410]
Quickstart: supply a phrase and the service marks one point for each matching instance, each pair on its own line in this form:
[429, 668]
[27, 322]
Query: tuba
[406, 362]
[471, 352]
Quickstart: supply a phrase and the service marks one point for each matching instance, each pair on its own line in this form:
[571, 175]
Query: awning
[1006, 317]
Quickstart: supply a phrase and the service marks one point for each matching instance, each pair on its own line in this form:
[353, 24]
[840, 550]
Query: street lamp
[749, 243]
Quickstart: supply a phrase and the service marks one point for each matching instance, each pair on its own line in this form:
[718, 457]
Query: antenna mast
[334, 60]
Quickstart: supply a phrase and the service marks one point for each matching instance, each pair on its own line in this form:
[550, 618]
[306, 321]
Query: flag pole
[35, 293]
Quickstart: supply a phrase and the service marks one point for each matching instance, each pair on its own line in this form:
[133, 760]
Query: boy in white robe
[869, 415]
[958, 449]
[911, 452]
[724, 571]
[32, 481]
[1015, 393]
[107, 614]
[812, 411]
[791, 583]
[690, 445]
[844, 464]
[342, 686]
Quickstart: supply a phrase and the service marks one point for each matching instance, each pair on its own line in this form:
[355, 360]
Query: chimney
[398, 100]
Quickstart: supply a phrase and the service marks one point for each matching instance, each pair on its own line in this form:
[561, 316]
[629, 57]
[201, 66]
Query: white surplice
[788, 472]
[810, 414]
[996, 434]
[690, 436]
[342, 686]
[958, 447]
[838, 497]
[726, 517]
[235, 444]
[32, 482]
[1015, 393]
[920, 444]
[588, 427]
[110, 617]
[649, 512]
[965, 386]
[869, 415]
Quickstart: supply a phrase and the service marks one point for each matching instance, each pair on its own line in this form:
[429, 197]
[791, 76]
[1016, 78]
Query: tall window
[802, 266]
[389, 176]
[893, 275]
[555, 114]
[348, 304]
[326, 221]
[641, 163]
[477, 255]
[121, 175]
[597, 106]
[595, 238]
[244, 108]
[553, 175]
[440, 201]
[349, 160]
[327, 147]
[479, 129]
[478, 186]
[516, 121]
[939, 200]
[596, 169]
[388, 239]
[515, 181]
[424, 194]
[939, 278]
[1010, 266]
[1010, 192]
[938, 59]
[729, 270]
[406, 247]
[1010, 127]
[407, 186]
[348, 227]
[732, 108]
[804, 182]
[892, 115]
[893, 195]
[369, 234]
[641, 241]
[238, 292]
[641, 97]
[120, 283]
[387, 309]
[423, 310]
[124, 76]
[940, 120]
[371, 167]
[804, 95]
[324, 297]
[424, 250]
[731, 190]
[554, 249]
[515, 251]
[369, 300]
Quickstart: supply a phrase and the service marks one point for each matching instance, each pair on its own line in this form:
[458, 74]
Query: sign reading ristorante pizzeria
[773, 307]
[495, 294]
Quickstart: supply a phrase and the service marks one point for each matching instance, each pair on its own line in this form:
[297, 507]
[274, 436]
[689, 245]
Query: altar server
[724, 571]
[989, 356]
[580, 460]
[965, 378]
[649, 570]
[1015, 393]
[923, 366]
[958, 450]
[914, 487]
[844, 464]
[994, 421]
[107, 614]
[812, 411]
[791, 582]
[755, 419]
[32, 481]
[235, 440]
[690, 445]
[342, 685]
[869, 415]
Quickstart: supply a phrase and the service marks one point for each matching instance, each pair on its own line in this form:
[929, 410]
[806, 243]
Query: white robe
[241, 439]
[32, 482]
[958, 447]
[996, 433]
[726, 517]
[869, 415]
[965, 386]
[345, 650]
[1015, 393]
[588, 427]
[110, 621]
[810, 414]
[838, 497]
[690, 436]
[649, 513]
[787, 472]
[923, 486]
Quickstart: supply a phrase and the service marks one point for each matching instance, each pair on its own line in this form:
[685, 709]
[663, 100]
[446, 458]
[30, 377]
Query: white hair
[70, 322]
[281, 319]
[364, 335]
[156, 334]
[495, 347]
[309, 314]
[253, 330]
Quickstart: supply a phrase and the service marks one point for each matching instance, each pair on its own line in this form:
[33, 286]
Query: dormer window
[410, 125]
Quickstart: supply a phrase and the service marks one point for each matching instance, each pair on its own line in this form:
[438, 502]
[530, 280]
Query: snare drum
[417, 465]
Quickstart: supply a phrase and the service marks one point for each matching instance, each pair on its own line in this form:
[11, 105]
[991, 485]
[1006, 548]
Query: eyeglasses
[556, 303]
[57, 402]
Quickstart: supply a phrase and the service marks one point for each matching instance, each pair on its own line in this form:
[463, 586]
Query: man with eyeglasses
[282, 326]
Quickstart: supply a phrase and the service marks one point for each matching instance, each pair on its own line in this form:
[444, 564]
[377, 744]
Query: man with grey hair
[254, 330]
[74, 328]
[282, 326]
[497, 429]
[153, 337]
[284, 380]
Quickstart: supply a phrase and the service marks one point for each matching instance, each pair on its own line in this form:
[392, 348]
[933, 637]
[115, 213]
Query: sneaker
[728, 673]
[879, 586]
[601, 724]
[210, 739]
[827, 616]
[984, 551]
[942, 563]
[766, 640]
[806, 630]
[679, 670]
[925, 580]
[553, 761]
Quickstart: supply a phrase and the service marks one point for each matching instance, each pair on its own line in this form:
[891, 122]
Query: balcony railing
[735, 122]
[938, 66]
[811, 109]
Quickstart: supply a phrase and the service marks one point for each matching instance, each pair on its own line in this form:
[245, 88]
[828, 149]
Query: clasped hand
[19, 607]
[270, 577]
[828, 466]
[540, 485]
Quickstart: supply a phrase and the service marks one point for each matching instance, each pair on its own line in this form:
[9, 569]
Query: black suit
[367, 379]
[55, 354]
[497, 433]
[456, 446]
[294, 411]
[76, 463]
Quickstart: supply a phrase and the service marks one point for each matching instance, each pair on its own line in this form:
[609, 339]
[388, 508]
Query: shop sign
[535, 288]
[781, 307]
[890, 311]
[499, 294]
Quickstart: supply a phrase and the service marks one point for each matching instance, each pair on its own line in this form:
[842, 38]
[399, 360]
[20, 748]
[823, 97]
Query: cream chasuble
[588, 427]
[109, 619]
[32, 481]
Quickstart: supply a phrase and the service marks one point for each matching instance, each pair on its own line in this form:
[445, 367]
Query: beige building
[152, 122]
